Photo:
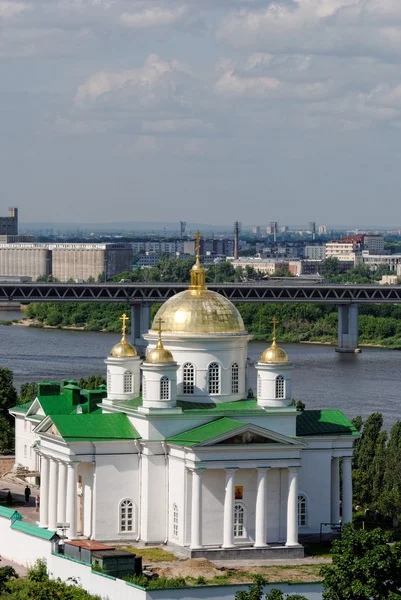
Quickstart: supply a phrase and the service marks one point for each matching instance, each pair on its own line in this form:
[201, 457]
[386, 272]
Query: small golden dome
[274, 354]
[160, 354]
[123, 349]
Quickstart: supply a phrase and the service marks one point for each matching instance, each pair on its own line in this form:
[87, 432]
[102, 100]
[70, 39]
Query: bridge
[142, 295]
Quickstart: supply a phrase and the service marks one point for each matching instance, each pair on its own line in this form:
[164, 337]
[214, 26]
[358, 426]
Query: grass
[153, 555]
[274, 574]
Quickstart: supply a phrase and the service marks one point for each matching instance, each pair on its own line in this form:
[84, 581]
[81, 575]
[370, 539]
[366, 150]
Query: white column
[347, 491]
[72, 499]
[62, 492]
[335, 490]
[44, 492]
[53, 494]
[196, 509]
[292, 507]
[228, 536]
[260, 513]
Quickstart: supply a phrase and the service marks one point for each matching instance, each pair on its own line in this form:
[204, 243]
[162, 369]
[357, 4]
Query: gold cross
[275, 323]
[198, 238]
[160, 321]
[124, 319]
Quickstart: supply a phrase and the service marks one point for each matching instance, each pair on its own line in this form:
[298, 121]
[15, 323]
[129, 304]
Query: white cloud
[156, 16]
[155, 82]
[341, 27]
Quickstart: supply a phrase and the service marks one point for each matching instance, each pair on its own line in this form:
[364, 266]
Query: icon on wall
[239, 492]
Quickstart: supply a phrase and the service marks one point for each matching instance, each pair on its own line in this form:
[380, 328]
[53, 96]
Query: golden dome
[160, 354]
[274, 354]
[199, 311]
[123, 349]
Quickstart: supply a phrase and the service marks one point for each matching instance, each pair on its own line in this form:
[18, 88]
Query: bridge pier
[140, 323]
[348, 328]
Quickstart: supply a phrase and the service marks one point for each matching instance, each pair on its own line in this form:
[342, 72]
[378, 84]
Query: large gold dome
[199, 311]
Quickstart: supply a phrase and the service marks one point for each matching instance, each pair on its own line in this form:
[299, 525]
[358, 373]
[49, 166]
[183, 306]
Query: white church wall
[153, 500]
[201, 352]
[116, 369]
[24, 441]
[315, 483]
[19, 547]
[283, 504]
[246, 478]
[177, 478]
[284, 423]
[85, 472]
[116, 479]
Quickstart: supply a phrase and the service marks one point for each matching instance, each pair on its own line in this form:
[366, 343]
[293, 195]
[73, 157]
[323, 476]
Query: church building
[174, 452]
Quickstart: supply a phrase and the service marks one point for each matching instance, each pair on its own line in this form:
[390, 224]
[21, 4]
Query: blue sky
[207, 110]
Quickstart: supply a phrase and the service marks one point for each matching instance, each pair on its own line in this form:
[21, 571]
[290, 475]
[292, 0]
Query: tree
[365, 566]
[93, 382]
[331, 266]
[8, 393]
[363, 459]
[28, 391]
[255, 592]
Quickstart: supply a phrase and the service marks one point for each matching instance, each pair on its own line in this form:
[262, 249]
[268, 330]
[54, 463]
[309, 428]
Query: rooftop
[95, 427]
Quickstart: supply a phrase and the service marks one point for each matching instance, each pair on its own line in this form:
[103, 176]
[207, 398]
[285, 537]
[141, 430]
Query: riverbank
[36, 324]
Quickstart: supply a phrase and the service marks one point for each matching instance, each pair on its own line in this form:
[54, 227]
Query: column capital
[228, 469]
[293, 468]
[263, 468]
[347, 458]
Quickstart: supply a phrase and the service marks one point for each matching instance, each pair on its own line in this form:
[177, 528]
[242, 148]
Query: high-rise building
[9, 224]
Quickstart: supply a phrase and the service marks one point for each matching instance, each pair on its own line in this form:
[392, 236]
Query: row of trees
[377, 466]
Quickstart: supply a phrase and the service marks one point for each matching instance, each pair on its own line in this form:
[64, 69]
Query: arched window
[143, 388]
[188, 379]
[239, 520]
[164, 388]
[279, 386]
[127, 382]
[302, 520]
[214, 378]
[259, 392]
[234, 378]
[175, 520]
[127, 515]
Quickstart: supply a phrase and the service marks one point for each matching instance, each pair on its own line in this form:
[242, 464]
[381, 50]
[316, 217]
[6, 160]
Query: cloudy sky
[201, 110]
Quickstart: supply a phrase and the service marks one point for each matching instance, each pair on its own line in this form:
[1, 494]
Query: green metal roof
[206, 432]
[22, 408]
[324, 422]
[56, 405]
[240, 406]
[9, 513]
[92, 427]
[45, 534]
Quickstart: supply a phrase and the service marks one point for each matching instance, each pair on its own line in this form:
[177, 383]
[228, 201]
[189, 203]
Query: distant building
[322, 230]
[9, 224]
[256, 230]
[269, 266]
[315, 252]
[374, 261]
[65, 261]
[346, 252]
[388, 280]
[84, 261]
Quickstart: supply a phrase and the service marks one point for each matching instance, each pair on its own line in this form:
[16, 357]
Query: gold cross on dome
[124, 319]
[275, 323]
[159, 329]
[198, 238]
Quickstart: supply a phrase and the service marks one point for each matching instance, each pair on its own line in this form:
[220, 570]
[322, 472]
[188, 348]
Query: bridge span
[142, 295]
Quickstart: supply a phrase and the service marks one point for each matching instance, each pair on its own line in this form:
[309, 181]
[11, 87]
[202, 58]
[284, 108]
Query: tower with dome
[173, 452]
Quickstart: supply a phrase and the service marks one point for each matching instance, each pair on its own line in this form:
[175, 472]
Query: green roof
[45, 534]
[94, 426]
[56, 405]
[206, 432]
[22, 408]
[9, 513]
[240, 406]
[324, 422]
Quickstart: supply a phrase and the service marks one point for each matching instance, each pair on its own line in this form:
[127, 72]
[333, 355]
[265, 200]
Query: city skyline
[227, 109]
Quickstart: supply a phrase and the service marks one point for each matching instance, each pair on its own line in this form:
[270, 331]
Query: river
[356, 384]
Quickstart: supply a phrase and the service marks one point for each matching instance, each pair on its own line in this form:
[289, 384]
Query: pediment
[249, 437]
[53, 430]
[35, 409]
[252, 434]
